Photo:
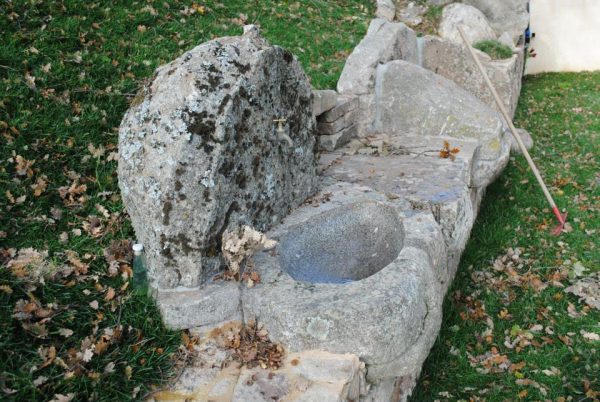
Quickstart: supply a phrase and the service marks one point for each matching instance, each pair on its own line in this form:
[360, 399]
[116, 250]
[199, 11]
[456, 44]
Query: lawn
[69, 324]
[510, 331]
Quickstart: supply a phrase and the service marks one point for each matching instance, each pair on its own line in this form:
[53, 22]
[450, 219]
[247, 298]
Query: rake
[562, 218]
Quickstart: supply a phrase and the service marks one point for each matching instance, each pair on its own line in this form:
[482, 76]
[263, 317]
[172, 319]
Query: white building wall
[567, 35]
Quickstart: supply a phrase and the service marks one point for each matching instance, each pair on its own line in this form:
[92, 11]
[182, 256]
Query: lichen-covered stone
[470, 19]
[451, 60]
[200, 153]
[504, 16]
[410, 100]
[384, 41]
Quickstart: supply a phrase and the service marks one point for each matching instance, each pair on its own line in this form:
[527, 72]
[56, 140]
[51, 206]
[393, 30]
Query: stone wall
[228, 135]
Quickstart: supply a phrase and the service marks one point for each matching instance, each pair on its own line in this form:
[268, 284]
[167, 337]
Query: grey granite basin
[342, 245]
[348, 277]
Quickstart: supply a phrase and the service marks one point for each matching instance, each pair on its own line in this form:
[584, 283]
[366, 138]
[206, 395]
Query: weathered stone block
[451, 60]
[344, 105]
[314, 376]
[338, 140]
[210, 305]
[324, 100]
[525, 137]
[412, 100]
[385, 10]
[472, 21]
[504, 16]
[338, 125]
[384, 41]
[200, 153]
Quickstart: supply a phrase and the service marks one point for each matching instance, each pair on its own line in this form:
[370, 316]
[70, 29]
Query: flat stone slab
[212, 375]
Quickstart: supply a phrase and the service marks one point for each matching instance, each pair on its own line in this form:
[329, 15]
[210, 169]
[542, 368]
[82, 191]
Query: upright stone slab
[504, 16]
[384, 41]
[412, 100]
[472, 21]
[200, 153]
[452, 61]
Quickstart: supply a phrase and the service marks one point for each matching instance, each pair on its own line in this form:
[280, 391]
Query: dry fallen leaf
[40, 186]
[110, 294]
[590, 336]
[65, 332]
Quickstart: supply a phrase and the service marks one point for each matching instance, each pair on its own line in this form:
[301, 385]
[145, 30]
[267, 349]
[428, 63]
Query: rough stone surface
[451, 60]
[504, 16]
[506, 39]
[472, 21]
[306, 376]
[324, 100]
[334, 127]
[313, 253]
[338, 140]
[428, 183]
[210, 305]
[386, 10]
[199, 152]
[354, 315]
[439, 2]
[384, 41]
[411, 13]
[316, 376]
[412, 100]
[344, 105]
[525, 137]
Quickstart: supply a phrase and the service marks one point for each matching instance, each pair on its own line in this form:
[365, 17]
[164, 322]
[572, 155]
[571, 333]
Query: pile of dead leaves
[251, 346]
[237, 248]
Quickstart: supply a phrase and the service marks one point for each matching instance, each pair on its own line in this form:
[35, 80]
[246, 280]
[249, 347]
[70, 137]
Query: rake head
[562, 218]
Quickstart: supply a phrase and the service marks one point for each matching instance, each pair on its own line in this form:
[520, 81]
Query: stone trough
[369, 235]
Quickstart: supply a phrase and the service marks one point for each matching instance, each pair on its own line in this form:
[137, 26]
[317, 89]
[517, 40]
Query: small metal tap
[281, 134]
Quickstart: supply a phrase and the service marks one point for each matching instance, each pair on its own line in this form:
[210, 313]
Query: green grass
[67, 73]
[494, 49]
[562, 111]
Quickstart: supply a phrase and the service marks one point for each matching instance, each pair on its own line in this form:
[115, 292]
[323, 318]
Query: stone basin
[344, 279]
[342, 245]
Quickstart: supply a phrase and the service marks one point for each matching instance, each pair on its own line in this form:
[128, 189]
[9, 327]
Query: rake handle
[512, 128]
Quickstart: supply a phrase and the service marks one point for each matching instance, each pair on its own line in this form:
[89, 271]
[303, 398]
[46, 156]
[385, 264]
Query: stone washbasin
[343, 280]
[342, 245]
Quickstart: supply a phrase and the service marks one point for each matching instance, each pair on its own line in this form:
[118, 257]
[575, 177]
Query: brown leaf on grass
[47, 355]
[63, 398]
[74, 194]
[110, 294]
[6, 289]
[40, 186]
[93, 226]
[32, 265]
[65, 332]
[23, 166]
[588, 290]
[96, 152]
[81, 268]
[119, 251]
[36, 329]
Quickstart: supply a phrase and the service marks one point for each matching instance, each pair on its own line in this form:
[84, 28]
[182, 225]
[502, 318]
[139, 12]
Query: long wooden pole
[513, 130]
